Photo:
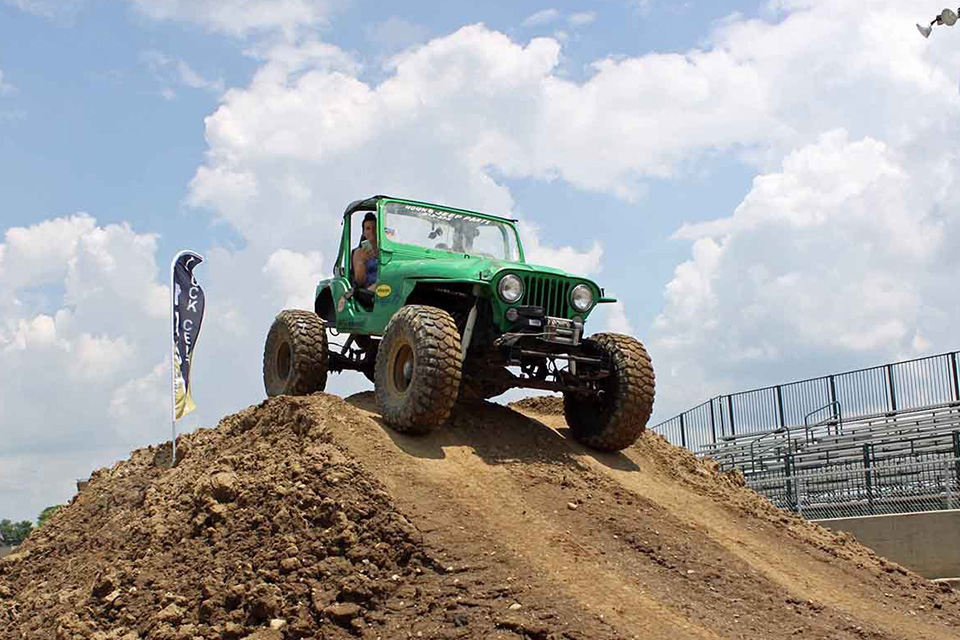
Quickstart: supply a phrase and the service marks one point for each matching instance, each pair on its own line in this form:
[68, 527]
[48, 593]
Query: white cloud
[581, 18]
[84, 318]
[47, 8]
[833, 259]
[308, 141]
[306, 54]
[40, 254]
[175, 71]
[616, 319]
[81, 313]
[96, 358]
[241, 17]
[837, 256]
[395, 34]
[542, 17]
[5, 87]
[147, 395]
[290, 273]
[40, 331]
[454, 113]
[587, 263]
[194, 80]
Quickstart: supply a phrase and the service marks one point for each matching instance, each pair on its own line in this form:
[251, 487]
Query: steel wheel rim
[402, 368]
[284, 359]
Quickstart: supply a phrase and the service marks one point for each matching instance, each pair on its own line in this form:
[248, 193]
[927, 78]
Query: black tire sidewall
[617, 421]
[304, 332]
[428, 400]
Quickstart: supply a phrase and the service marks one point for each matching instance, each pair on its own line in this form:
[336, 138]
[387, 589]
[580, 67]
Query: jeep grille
[551, 294]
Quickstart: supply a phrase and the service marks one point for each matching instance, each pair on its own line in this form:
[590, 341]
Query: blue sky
[743, 176]
[124, 152]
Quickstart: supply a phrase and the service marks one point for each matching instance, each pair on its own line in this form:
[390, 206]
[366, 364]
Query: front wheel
[295, 354]
[418, 370]
[617, 414]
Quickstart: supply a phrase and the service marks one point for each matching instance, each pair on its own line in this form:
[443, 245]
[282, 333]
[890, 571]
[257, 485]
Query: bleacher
[841, 460]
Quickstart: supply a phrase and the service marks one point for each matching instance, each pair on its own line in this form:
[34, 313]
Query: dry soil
[309, 518]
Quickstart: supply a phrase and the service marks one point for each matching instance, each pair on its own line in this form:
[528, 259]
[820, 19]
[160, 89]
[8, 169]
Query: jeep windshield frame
[434, 229]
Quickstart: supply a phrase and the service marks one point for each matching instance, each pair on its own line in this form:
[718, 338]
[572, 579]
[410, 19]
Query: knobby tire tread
[625, 417]
[433, 391]
[309, 364]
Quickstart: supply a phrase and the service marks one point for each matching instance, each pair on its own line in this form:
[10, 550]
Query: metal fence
[906, 484]
[899, 386]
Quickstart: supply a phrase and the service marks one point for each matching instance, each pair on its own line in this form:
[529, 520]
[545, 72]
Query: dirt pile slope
[307, 518]
[266, 529]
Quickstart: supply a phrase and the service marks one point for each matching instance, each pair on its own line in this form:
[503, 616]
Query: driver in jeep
[365, 263]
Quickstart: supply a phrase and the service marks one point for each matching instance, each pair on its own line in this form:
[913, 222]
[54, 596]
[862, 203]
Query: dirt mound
[308, 518]
[266, 529]
[545, 405]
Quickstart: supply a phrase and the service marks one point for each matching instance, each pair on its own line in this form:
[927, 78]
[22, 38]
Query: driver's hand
[366, 254]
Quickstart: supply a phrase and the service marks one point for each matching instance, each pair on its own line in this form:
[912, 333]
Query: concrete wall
[928, 543]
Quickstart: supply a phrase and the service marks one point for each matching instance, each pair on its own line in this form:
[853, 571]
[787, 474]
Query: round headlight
[510, 288]
[581, 298]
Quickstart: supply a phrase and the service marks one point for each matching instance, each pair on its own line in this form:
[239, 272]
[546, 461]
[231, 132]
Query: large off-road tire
[418, 369]
[295, 354]
[614, 419]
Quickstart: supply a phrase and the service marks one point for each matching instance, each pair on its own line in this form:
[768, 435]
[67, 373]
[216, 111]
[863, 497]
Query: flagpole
[172, 346]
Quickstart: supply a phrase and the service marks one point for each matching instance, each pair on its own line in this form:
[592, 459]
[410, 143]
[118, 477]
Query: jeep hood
[468, 268]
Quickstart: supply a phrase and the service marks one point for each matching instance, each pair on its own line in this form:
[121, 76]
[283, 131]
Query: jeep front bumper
[531, 322]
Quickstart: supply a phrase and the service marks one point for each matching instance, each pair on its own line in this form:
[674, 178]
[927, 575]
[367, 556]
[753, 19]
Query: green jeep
[456, 313]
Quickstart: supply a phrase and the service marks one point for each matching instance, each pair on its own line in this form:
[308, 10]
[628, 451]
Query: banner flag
[188, 303]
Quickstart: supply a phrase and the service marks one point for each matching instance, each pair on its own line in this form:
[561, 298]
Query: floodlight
[946, 17]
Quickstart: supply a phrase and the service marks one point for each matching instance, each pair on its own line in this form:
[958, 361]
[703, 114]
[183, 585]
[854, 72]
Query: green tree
[46, 513]
[13, 533]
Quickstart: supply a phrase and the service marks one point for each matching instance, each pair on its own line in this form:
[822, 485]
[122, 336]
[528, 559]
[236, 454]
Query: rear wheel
[418, 369]
[615, 417]
[295, 354]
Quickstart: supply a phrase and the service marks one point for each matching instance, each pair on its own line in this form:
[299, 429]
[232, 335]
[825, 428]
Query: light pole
[947, 17]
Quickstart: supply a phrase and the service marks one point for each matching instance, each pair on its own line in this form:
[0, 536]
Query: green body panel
[403, 266]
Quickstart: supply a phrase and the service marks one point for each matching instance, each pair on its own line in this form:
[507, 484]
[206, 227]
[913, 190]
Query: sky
[768, 188]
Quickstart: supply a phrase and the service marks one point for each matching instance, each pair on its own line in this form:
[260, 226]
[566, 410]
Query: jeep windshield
[451, 231]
